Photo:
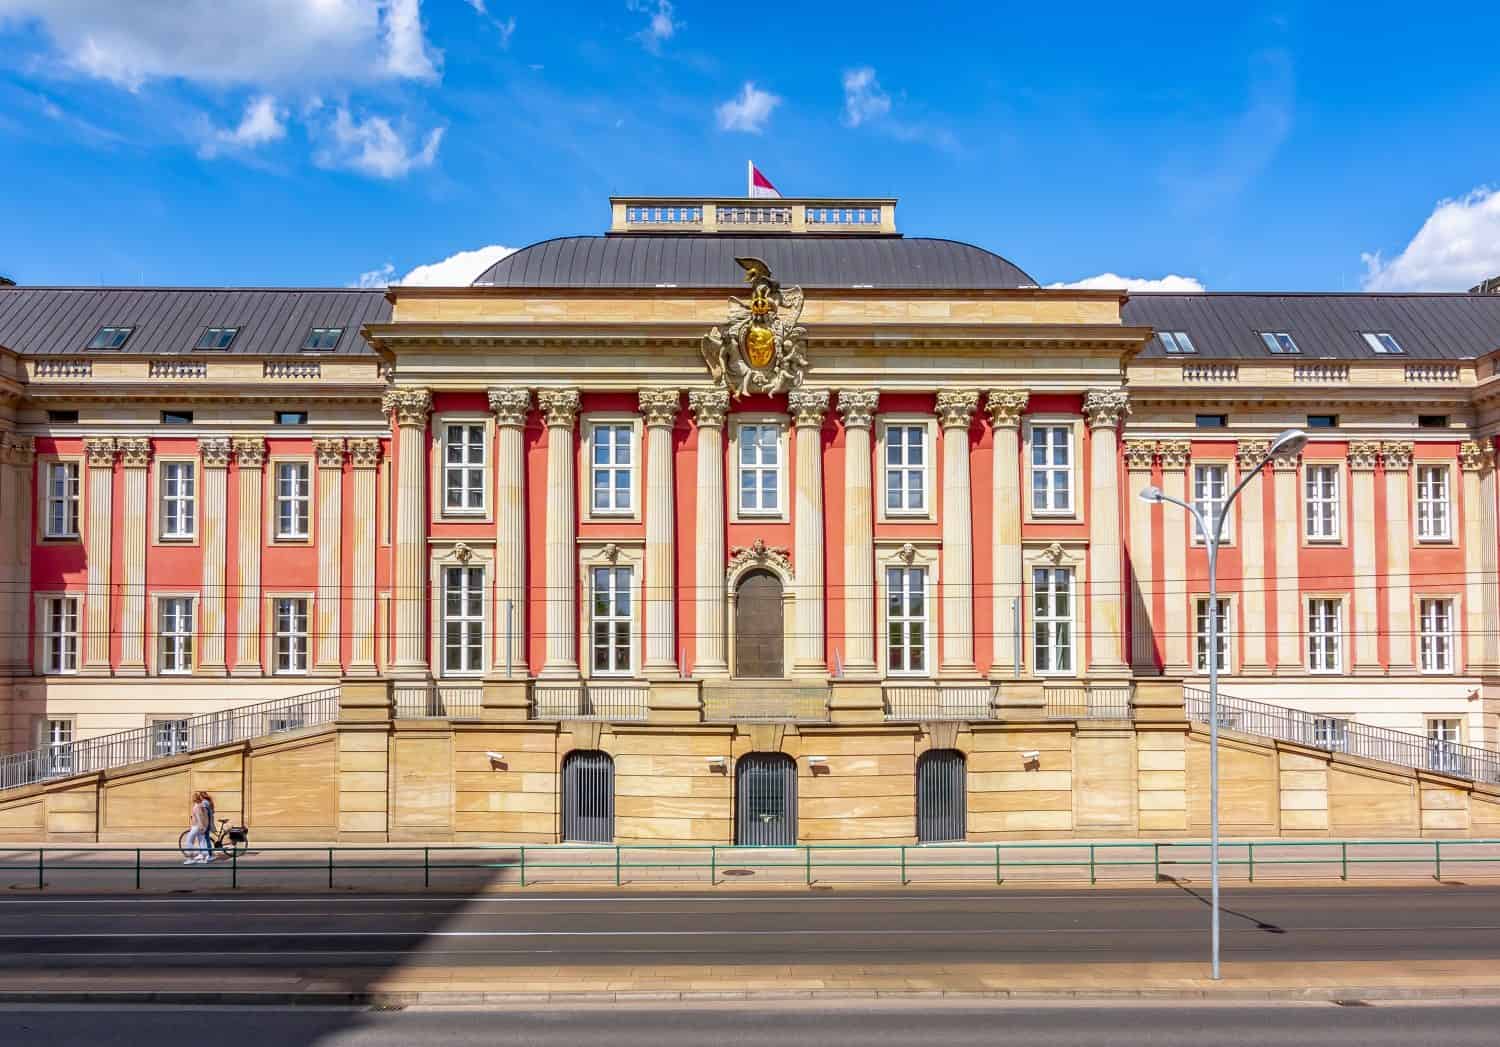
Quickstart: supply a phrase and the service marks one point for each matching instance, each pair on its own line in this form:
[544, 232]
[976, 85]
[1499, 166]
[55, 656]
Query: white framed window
[61, 519]
[58, 738]
[906, 468]
[1210, 489]
[1331, 732]
[612, 469]
[760, 466]
[290, 619]
[1444, 736]
[1052, 620]
[178, 499]
[1221, 624]
[169, 737]
[1434, 504]
[1382, 342]
[1325, 635]
[293, 499]
[463, 621]
[174, 621]
[1280, 342]
[906, 621]
[1051, 470]
[463, 467]
[612, 618]
[1320, 502]
[1435, 634]
[60, 635]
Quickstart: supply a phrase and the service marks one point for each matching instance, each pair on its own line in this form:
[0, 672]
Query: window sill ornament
[758, 554]
[763, 346]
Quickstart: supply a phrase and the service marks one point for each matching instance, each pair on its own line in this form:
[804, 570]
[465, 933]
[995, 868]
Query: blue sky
[310, 142]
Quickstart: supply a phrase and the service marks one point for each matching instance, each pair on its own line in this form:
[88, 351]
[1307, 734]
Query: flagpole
[749, 178]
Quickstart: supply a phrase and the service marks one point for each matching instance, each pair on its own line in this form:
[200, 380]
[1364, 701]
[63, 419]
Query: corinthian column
[511, 407]
[135, 454]
[1363, 454]
[330, 455]
[955, 411]
[1105, 409]
[19, 454]
[660, 407]
[1007, 566]
[1397, 457]
[857, 406]
[1174, 456]
[1140, 455]
[100, 452]
[710, 658]
[809, 407]
[1481, 597]
[560, 412]
[409, 409]
[214, 453]
[250, 463]
[365, 454]
[1252, 560]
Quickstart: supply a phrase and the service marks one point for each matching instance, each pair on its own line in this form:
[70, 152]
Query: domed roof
[816, 260]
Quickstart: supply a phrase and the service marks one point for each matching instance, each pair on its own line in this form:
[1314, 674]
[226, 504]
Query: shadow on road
[1259, 924]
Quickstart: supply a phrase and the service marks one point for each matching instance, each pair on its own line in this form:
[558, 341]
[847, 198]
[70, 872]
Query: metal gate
[588, 797]
[765, 786]
[941, 799]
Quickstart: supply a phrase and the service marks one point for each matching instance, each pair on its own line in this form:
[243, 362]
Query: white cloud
[1115, 282]
[457, 270]
[749, 112]
[507, 30]
[228, 42]
[263, 122]
[373, 147]
[378, 277]
[660, 23]
[1456, 248]
[478, 5]
[863, 98]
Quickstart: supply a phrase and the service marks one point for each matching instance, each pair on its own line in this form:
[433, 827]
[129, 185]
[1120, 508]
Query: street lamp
[1287, 443]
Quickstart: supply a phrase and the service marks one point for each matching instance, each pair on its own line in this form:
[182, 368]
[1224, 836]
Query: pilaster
[364, 727]
[660, 407]
[955, 411]
[409, 409]
[250, 464]
[511, 407]
[1140, 456]
[1481, 601]
[16, 532]
[1252, 536]
[710, 407]
[364, 453]
[1177, 624]
[1288, 537]
[809, 407]
[1007, 570]
[1363, 456]
[857, 406]
[560, 413]
[135, 455]
[1105, 410]
[1397, 458]
[214, 453]
[329, 452]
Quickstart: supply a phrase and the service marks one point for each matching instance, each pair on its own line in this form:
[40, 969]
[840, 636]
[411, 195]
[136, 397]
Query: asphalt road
[339, 931]
[1180, 1025]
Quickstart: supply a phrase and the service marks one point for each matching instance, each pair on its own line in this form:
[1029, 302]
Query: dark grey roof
[813, 260]
[61, 320]
[1324, 326]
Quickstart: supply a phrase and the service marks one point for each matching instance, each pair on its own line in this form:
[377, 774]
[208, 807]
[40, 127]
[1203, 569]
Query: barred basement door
[588, 797]
[765, 787]
[940, 796]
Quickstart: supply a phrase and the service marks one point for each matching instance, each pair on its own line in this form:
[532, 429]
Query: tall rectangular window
[291, 635]
[62, 500]
[1051, 469]
[1221, 626]
[59, 744]
[169, 737]
[1325, 636]
[1210, 488]
[463, 620]
[612, 617]
[611, 478]
[178, 496]
[760, 469]
[1434, 504]
[463, 468]
[1321, 502]
[293, 499]
[60, 635]
[174, 620]
[906, 469]
[1052, 619]
[906, 619]
[1435, 636]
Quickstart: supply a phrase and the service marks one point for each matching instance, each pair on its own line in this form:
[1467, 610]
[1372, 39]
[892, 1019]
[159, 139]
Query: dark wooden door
[758, 626]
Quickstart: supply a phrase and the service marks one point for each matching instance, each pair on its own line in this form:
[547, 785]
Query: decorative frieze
[1106, 408]
[409, 407]
[857, 407]
[216, 451]
[710, 407]
[559, 407]
[1005, 407]
[510, 405]
[956, 407]
[757, 554]
[1363, 454]
[808, 406]
[1396, 454]
[1140, 454]
[1250, 453]
[660, 406]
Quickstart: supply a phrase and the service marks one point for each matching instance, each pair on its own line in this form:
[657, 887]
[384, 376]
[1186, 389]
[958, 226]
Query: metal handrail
[1335, 734]
[930, 701]
[90, 755]
[590, 701]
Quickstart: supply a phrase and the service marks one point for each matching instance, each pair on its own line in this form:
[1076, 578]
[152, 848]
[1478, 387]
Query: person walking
[197, 830]
[208, 827]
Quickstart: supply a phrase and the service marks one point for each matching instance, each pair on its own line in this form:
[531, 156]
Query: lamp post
[1289, 442]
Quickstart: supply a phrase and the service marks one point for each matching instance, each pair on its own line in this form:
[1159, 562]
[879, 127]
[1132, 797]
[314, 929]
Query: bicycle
[231, 841]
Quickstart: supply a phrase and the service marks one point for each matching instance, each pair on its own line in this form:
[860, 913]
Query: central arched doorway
[759, 627]
[765, 800]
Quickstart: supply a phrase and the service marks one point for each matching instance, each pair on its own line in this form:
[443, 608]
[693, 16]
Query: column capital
[1140, 455]
[135, 452]
[1363, 454]
[857, 407]
[365, 452]
[1286, 462]
[1476, 456]
[1174, 453]
[1396, 454]
[1106, 408]
[250, 451]
[329, 450]
[19, 450]
[510, 405]
[809, 407]
[1250, 453]
[409, 406]
[559, 407]
[956, 407]
[215, 452]
[1005, 407]
[660, 406]
[100, 451]
[710, 406]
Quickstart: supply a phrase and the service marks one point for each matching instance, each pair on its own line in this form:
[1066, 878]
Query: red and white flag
[760, 185]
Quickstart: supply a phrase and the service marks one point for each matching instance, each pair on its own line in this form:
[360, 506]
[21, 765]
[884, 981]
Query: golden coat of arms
[763, 346]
